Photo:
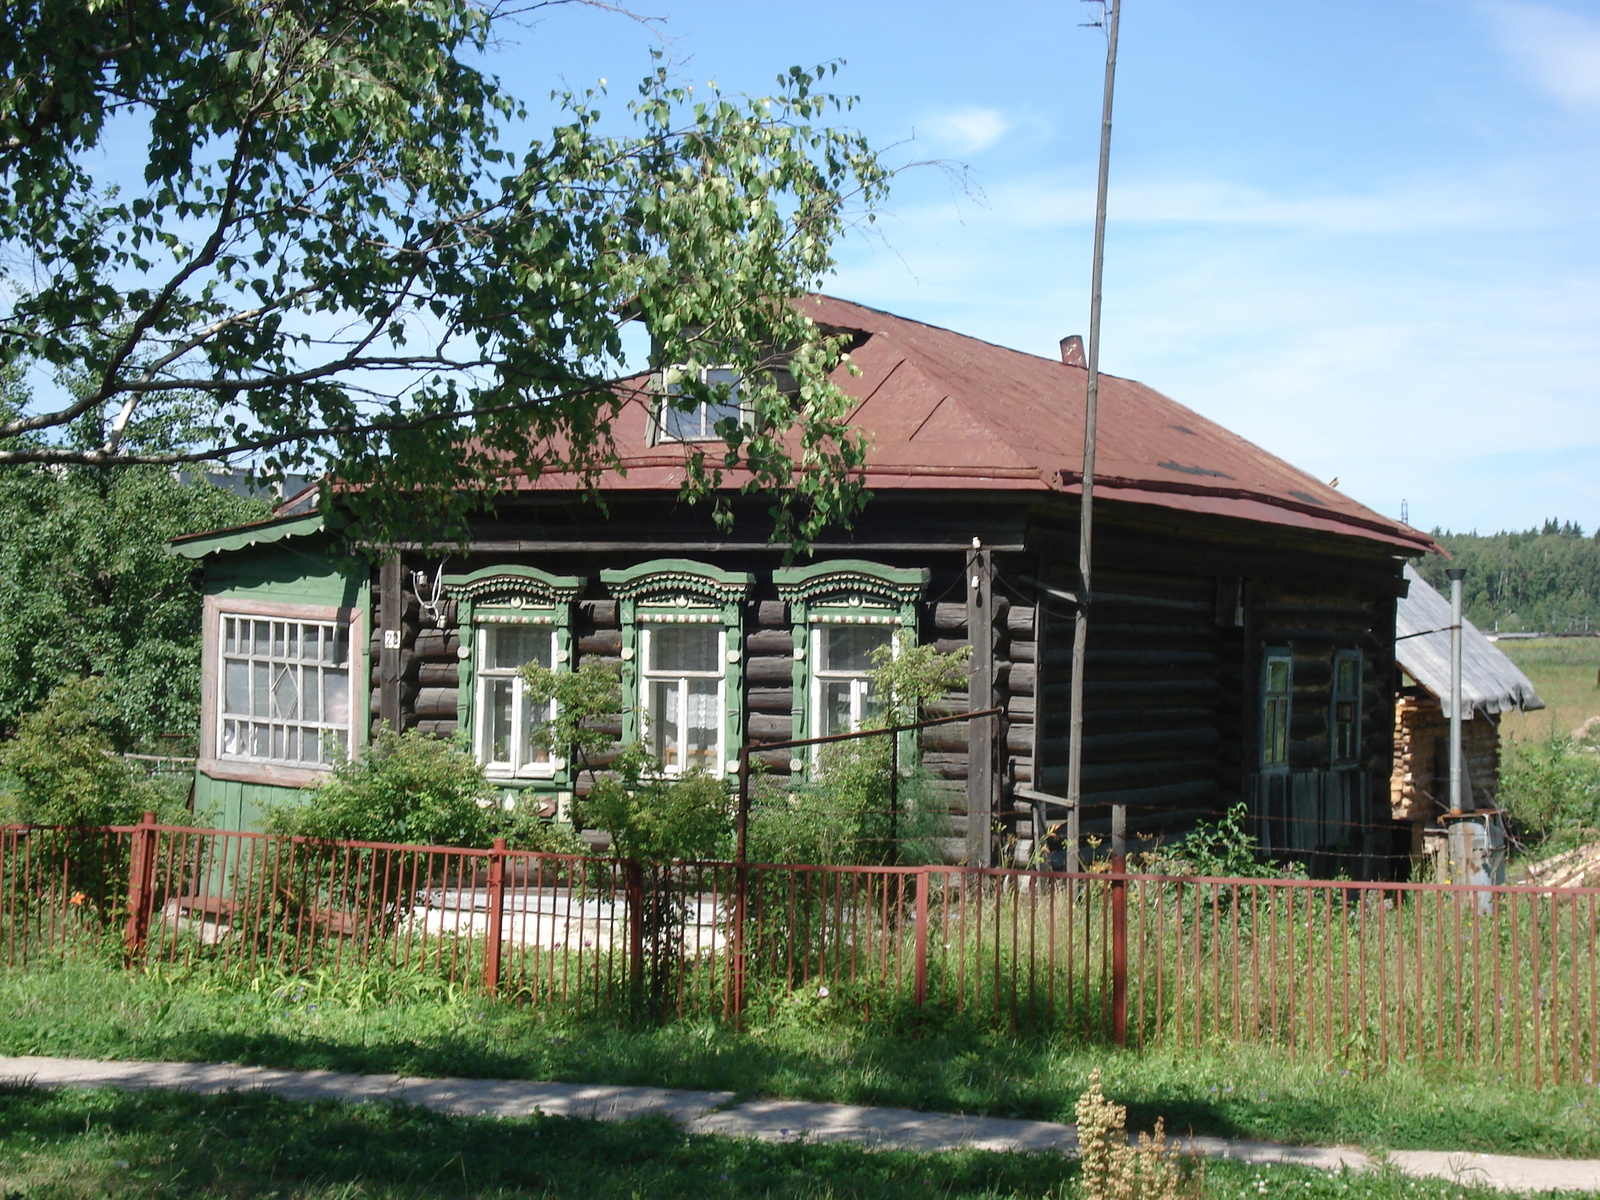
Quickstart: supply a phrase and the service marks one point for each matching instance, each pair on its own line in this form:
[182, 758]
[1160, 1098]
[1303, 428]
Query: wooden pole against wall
[1080, 633]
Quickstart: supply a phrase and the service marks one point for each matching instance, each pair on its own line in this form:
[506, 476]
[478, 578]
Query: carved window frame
[670, 591]
[848, 591]
[509, 595]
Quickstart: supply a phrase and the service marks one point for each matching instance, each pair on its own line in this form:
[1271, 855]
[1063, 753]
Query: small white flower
[822, 993]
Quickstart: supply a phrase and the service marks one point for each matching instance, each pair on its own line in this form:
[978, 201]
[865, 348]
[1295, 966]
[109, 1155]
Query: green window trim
[847, 591]
[1344, 705]
[679, 591]
[1277, 707]
[510, 595]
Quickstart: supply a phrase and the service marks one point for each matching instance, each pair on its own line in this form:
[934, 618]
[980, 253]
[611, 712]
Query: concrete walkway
[767, 1120]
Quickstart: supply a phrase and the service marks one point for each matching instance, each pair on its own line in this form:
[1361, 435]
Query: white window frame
[267, 769]
[820, 676]
[519, 767]
[664, 411]
[648, 676]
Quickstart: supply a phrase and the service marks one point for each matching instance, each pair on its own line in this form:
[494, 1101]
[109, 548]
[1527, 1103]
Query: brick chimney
[1072, 351]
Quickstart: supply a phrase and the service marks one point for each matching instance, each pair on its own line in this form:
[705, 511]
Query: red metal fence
[1492, 977]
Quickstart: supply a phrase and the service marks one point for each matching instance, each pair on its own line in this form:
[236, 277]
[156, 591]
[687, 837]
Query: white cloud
[1558, 50]
[967, 130]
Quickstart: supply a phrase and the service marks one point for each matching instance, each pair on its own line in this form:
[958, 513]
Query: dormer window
[699, 422]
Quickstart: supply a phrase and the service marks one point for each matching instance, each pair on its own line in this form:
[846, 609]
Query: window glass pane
[534, 715]
[263, 630]
[260, 691]
[313, 643]
[336, 697]
[229, 636]
[498, 695]
[509, 646]
[684, 426]
[721, 410]
[705, 716]
[237, 687]
[260, 740]
[1277, 675]
[835, 707]
[684, 648]
[850, 647]
[310, 700]
[286, 693]
[1347, 676]
[662, 720]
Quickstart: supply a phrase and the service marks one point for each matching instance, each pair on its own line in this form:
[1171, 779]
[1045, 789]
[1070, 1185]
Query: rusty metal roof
[948, 411]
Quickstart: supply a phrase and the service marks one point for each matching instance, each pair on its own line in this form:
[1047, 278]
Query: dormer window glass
[699, 422]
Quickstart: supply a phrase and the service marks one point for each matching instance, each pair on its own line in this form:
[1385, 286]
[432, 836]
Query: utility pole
[1080, 632]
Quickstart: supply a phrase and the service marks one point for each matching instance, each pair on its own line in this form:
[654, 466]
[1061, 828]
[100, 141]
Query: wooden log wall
[1152, 700]
[769, 699]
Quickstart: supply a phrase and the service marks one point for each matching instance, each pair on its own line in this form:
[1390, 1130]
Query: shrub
[62, 768]
[1225, 848]
[410, 788]
[1551, 789]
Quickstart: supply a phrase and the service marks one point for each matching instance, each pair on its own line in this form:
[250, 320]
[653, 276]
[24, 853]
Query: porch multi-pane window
[843, 696]
[683, 693]
[1276, 691]
[1346, 706]
[285, 688]
[508, 719]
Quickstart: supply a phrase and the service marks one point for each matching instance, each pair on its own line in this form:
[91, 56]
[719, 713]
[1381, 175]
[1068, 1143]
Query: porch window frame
[250, 769]
[669, 591]
[498, 596]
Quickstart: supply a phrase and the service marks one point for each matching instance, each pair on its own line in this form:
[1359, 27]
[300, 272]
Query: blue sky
[1365, 236]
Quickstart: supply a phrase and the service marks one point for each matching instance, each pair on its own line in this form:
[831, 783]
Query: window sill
[271, 774]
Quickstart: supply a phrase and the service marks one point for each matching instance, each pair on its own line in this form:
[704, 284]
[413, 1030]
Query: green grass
[1563, 672]
[77, 1144]
[93, 1011]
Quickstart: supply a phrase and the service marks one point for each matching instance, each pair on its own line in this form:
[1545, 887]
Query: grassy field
[1563, 672]
[74, 1145]
[1227, 1091]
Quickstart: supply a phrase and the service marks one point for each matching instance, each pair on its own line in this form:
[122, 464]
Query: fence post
[1119, 925]
[141, 887]
[633, 888]
[741, 882]
[920, 961]
[497, 908]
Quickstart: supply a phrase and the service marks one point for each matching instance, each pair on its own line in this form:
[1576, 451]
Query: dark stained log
[602, 641]
[772, 614]
[1019, 678]
[1138, 799]
[437, 702]
[1361, 638]
[945, 764]
[769, 699]
[769, 672]
[1145, 746]
[1019, 651]
[437, 643]
[438, 674]
[1019, 621]
[600, 613]
[772, 642]
[1019, 708]
[949, 738]
[440, 728]
[777, 761]
[950, 617]
[949, 645]
[769, 727]
[1154, 658]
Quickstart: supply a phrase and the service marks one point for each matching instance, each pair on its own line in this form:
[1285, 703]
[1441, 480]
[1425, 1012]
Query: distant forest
[1545, 579]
